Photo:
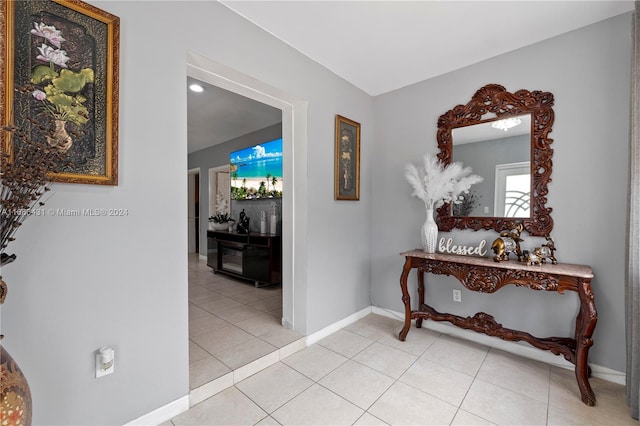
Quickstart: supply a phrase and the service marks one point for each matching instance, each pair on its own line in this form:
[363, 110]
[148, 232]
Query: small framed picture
[347, 159]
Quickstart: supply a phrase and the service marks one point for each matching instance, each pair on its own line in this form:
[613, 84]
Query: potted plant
[221, 220]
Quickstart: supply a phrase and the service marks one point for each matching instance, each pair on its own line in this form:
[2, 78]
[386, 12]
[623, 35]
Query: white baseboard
[330, 329]
[520, 349]
[203, 257]
[163, 413]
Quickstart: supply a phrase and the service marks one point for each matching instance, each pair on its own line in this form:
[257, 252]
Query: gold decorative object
[508, 242]
[546, 251]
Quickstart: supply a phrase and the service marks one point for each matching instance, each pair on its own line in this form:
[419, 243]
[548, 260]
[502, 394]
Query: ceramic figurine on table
[547, 251]
[508, 242]
[243, 223]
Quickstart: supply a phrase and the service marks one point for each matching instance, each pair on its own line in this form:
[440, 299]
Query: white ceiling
[380, 46]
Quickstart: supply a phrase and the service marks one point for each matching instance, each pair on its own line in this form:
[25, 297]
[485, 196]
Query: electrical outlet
[105, 361]
[457, 296]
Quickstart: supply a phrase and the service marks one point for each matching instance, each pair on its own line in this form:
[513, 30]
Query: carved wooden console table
[487, 276]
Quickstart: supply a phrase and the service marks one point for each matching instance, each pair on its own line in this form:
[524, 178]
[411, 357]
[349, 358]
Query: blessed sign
[448, 247]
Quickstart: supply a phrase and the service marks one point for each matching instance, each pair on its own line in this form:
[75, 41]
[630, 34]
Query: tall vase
[429, 233]
[15, 395]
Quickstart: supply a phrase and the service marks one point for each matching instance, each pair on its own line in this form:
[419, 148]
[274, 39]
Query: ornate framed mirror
[503, 137]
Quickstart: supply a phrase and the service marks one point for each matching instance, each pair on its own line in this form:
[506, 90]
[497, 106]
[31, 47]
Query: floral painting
[65, 84]
[347, 159]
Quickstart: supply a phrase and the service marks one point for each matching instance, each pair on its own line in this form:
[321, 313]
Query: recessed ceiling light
[196, 88]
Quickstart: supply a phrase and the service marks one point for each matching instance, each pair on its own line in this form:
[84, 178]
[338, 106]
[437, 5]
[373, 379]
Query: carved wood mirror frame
[494, 99]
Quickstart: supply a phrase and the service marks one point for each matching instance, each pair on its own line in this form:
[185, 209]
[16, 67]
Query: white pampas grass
[436, 184]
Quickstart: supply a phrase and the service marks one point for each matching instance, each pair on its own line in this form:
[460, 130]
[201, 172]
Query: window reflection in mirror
[499, 150]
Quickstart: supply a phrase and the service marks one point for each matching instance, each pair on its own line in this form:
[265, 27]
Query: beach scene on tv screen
[256, 171]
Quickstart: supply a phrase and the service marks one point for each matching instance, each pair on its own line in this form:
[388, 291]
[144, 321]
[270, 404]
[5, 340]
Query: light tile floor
[363, 375]
[231, 323]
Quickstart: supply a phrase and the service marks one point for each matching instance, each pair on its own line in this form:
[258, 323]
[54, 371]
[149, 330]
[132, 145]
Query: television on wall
[256, 171]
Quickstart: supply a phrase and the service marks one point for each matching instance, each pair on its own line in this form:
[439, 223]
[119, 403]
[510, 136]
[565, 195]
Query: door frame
[295, 201]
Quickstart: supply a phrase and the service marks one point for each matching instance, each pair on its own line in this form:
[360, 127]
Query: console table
[487, 276]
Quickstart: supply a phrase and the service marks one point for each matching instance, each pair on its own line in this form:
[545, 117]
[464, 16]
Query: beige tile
[238, 314]
[196, 353]
[223, 338]
[528, 377]
[244, 353]
[374, 327]
[256, 294]
[345, 343]
[404, 405]
[566, 406]
[317, 406]
[196, 312]
[260, 324]
[357, 383]
[219, 305]
[292, 348]
[205, 324]
[206, 370]
[267, 305]
[368, 420]
[268, 421]
[458, 354]
[199, 295]
[273, 387]
[276, 313]
[416, 343]
[280, 337]
[229, 407]
[464, 418]
[435, 379]
[385, 359]
[239, 288]
[502, 406]
[255, 366]
[209, 389]
[315, 361]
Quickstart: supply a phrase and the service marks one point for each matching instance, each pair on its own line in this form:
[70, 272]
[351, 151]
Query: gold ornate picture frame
[60, 65]
[347, 159]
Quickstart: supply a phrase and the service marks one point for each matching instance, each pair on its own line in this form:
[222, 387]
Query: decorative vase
[59, 138]
[219, 226]
[15, 395]
[429, 233]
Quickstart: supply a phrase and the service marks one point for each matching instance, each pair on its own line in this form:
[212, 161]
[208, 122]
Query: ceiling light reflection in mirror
[500, 151]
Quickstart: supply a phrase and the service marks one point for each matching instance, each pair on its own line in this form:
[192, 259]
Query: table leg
[585, 324]
[420, 296]
[406, 299]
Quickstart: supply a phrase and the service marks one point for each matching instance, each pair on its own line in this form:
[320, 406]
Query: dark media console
[254, 257]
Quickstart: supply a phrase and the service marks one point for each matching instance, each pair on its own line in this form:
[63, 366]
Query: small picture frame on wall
[60, 84]
[347, 159]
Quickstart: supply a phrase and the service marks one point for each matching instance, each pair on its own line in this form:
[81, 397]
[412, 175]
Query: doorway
[290, 301]
[294, 206]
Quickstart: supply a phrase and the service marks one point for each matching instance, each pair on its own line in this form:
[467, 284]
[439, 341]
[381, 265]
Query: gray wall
[84, 282]
[218, 155]
[588, 72]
